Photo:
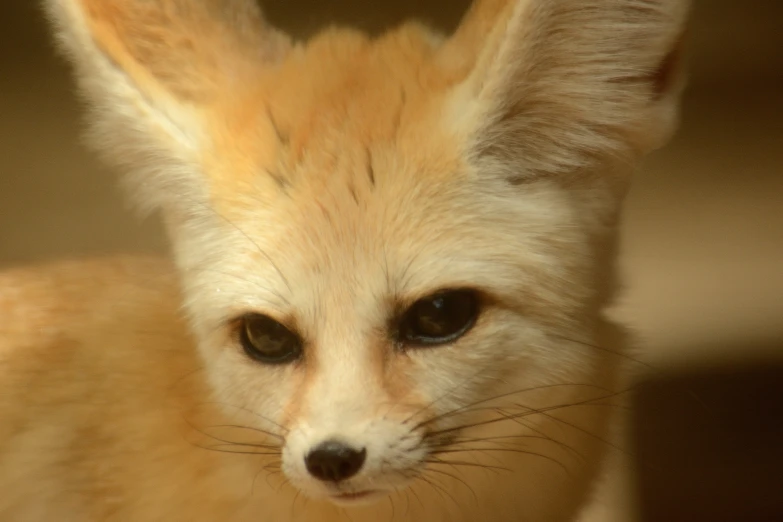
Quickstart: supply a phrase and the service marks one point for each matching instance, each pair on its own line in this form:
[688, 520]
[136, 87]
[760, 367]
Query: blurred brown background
[703, 236]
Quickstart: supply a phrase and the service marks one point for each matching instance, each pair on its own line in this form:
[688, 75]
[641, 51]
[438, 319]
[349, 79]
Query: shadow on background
[708, 441]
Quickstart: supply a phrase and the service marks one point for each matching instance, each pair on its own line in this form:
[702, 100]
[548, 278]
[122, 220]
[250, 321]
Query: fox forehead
[340, 156]
[341, 103]
[363, 252]
[342, 175]
[341, 171]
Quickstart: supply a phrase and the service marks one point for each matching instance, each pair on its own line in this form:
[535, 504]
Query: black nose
[334, 461]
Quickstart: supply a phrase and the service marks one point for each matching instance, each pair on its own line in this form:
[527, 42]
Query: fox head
[379, 237]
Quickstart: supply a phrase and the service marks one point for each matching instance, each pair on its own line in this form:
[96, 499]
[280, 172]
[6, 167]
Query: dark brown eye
[268, 341]
[439, 318]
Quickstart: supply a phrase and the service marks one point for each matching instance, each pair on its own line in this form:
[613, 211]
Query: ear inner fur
[561, 85]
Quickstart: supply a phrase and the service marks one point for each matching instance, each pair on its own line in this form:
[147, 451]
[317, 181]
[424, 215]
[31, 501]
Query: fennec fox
[390, 260]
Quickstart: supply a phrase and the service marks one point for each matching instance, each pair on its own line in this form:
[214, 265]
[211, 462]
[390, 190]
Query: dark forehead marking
[279, 180]
[369, 166]
[282, 137]
[352, 189]
[398, 117]
[395, 130]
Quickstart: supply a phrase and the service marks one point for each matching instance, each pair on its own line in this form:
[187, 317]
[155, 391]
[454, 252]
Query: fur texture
[329, 184]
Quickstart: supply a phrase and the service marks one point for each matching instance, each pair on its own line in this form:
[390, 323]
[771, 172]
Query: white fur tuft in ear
[558, 86]
[154, 72]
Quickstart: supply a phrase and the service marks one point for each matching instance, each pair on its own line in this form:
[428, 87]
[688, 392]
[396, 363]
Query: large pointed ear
[153, 70]
[565, 85]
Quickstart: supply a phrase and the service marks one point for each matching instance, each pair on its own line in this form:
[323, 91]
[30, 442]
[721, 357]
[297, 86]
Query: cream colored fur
[324, 183]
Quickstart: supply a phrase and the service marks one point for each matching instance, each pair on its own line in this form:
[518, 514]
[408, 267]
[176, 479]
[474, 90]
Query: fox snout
[352, 435]
[377, 456]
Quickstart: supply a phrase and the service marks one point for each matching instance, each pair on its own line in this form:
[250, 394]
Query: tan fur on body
[327, 185]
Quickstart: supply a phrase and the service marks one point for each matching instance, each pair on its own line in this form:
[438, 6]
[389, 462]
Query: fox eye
[266, 340]
[439, 318]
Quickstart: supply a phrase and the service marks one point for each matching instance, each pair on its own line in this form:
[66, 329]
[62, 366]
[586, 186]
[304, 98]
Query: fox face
[393, 249]
[348, 314]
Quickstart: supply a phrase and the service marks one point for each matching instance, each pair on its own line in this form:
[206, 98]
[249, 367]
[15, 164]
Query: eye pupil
[267, 341]
[440, 318]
